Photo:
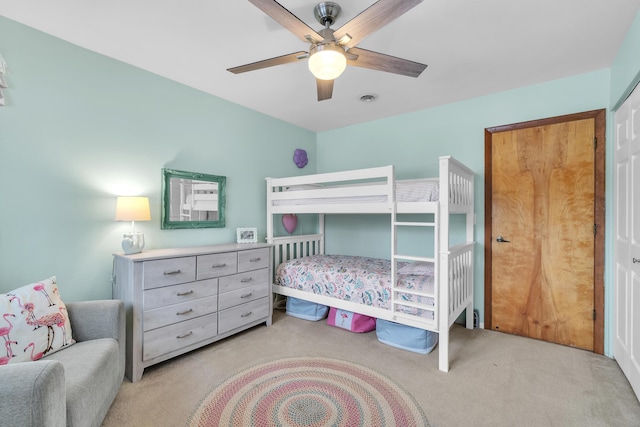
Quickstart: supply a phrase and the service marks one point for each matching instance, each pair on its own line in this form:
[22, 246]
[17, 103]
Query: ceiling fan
[332, 50]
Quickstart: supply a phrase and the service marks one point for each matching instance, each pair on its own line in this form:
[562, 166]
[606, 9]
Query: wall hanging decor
[300, 158]
[289, 222]
[192, 200]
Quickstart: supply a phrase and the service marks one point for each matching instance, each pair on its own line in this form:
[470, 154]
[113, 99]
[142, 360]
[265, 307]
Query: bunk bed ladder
[396, 291]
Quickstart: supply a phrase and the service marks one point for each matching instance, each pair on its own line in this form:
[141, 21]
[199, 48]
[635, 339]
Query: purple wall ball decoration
[289, 222]
[300, 158]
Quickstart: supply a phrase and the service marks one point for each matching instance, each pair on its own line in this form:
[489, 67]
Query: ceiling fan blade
[382, 62]
[372, 19]
[325, 89]
[278, 60]
[288, 20]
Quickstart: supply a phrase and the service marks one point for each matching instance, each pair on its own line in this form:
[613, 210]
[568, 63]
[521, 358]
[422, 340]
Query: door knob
[501, 239]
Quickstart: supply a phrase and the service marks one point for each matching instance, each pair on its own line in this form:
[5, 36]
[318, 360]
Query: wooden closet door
[542, 224]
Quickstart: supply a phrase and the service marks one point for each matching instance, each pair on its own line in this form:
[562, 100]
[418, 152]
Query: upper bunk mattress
[407, 191]
[361, 280]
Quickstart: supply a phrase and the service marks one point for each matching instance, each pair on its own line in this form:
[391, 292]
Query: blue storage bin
[305, 309]
[406, 337]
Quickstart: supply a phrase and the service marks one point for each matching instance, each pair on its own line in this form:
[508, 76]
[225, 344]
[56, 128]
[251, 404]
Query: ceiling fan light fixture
[327, 61]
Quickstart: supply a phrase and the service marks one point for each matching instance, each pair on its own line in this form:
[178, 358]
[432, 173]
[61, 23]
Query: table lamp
[133, 209]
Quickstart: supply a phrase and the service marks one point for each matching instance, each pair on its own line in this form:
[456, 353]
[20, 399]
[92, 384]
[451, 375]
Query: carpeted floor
[495, 379]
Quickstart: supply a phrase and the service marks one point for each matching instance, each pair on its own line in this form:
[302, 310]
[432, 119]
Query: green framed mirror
[192, 200]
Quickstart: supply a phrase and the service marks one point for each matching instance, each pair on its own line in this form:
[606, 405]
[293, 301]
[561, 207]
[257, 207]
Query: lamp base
[133, 242]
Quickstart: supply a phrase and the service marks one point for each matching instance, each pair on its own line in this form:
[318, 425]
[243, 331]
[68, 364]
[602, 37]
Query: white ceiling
[472, 47]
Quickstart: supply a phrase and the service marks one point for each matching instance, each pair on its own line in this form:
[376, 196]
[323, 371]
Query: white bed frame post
[269, 212]
[443, 266]
[471, 222]
[394, 236]
[321, 232]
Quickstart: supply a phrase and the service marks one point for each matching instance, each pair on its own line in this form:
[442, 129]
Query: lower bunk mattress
[361, 280]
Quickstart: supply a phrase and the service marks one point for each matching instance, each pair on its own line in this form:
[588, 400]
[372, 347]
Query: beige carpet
[495, 379]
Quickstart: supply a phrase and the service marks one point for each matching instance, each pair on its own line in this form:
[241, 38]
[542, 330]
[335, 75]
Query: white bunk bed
[376, 191]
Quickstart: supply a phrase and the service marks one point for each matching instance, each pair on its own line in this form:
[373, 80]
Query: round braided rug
[310, 392]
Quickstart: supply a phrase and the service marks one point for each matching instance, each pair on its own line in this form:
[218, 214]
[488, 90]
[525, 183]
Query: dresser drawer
[161, 297]
[253, 259]
[243, 295]
[241, 280]
[216, 265]
[174, 337]
[164, 316]
[164, 272]
[241, 315]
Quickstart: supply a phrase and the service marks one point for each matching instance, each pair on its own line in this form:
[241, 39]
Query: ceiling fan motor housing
[327, 12]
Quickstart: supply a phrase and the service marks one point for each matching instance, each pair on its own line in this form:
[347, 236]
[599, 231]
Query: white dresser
[183, 298]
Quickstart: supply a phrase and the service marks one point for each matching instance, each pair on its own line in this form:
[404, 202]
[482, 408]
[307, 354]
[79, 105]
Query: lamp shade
[133, 209]
[327, 61]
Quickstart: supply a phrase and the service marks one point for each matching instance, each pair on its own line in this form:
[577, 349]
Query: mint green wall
[80, 129]
[625, 71]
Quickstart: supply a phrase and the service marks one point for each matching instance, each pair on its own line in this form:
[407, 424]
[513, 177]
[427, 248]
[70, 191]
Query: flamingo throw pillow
[34, 322]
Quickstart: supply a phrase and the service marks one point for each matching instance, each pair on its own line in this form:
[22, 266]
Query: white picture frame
[247, 235]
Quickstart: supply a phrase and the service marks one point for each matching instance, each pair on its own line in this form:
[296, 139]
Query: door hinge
[594, 314]
[595, 229]
[595, 142]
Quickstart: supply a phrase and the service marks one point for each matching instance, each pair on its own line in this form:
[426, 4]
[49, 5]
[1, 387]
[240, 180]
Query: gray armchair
[74, 386]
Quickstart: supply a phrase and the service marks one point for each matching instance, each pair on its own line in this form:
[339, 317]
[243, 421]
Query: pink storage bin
[353, 322]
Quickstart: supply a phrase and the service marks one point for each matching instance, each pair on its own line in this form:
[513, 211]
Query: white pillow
[418, 268]
[33, 322]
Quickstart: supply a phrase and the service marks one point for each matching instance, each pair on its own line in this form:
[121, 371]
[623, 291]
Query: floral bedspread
[361, 280]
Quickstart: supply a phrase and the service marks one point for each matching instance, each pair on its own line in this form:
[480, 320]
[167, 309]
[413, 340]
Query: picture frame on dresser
[247, 235]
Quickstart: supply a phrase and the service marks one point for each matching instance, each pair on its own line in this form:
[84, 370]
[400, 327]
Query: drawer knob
[182, 313]
[169, 273]
[181, 294]
[255, 259]
[246, 314]
[245, 280]
[246, 295]
[219, 265]
[185, 335]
